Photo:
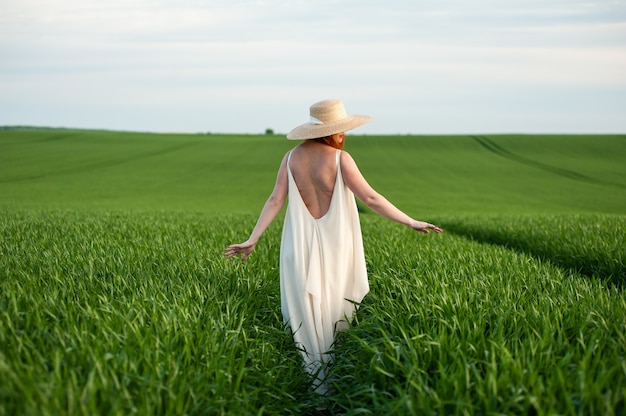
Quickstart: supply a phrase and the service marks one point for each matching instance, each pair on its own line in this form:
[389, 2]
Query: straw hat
[327, 117]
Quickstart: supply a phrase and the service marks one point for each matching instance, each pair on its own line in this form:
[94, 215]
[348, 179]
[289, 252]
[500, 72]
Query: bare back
[314, 169]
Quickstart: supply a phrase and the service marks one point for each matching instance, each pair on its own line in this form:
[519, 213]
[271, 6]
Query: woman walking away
[322, 263]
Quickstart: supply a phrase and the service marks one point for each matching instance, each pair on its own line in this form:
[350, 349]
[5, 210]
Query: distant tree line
[31, 128]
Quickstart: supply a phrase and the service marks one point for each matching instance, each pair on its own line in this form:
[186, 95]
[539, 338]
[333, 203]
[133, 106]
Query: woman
[322, 263]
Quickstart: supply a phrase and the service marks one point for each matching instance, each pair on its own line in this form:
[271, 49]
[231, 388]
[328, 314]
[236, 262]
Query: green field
[115, 298]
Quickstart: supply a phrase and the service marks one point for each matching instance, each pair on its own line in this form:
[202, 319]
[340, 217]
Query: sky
[244, 66]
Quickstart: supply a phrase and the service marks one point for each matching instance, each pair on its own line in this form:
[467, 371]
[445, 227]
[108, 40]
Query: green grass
[590, 245]
[428, 176]
[115, 299]
[458, 327]
[135, 314]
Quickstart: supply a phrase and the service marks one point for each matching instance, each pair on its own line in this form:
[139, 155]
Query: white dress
[322, 270]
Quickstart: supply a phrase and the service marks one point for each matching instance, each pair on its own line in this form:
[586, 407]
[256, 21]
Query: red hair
[330, 141]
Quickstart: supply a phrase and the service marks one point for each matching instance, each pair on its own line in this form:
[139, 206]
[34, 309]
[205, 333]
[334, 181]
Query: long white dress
[322, 270]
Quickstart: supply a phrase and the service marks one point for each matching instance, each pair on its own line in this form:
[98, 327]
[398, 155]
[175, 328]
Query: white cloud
[128, 60]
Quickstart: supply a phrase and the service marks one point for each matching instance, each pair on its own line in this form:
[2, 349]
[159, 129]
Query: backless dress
[322, 270]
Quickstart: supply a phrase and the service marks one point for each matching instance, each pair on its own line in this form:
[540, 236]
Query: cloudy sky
[416, 66]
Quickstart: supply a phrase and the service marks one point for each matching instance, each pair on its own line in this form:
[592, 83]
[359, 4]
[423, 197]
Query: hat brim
[314, 131]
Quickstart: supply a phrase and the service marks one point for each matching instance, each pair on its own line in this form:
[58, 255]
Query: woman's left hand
[245, 249]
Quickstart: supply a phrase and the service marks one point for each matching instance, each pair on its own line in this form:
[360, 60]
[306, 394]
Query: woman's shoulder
[346, 156]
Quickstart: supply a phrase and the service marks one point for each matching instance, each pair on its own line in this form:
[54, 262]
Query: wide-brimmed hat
[327, 117]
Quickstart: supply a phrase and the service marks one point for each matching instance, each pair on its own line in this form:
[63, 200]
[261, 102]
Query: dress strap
[337, 156]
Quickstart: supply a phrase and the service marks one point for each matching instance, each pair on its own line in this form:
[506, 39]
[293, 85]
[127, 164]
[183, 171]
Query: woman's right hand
[424, 227]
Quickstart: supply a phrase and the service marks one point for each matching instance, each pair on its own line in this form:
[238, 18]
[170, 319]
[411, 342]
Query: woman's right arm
[355, 181]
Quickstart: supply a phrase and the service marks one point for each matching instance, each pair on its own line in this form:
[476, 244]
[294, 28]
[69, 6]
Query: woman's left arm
[272, 207]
